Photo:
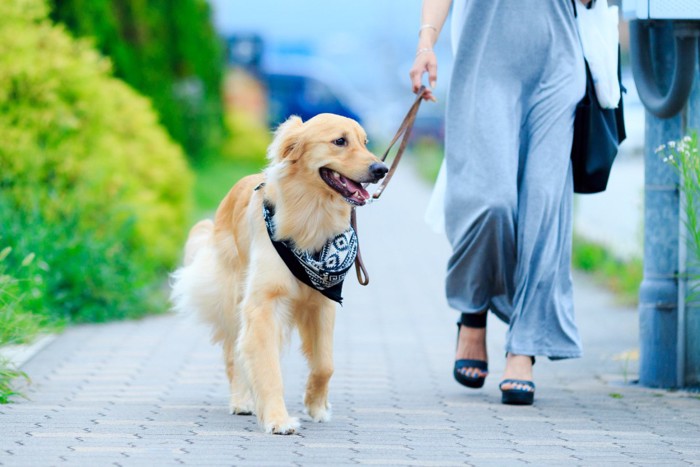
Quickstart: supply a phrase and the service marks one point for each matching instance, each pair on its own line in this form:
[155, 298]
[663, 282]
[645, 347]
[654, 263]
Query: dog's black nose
[378, 170]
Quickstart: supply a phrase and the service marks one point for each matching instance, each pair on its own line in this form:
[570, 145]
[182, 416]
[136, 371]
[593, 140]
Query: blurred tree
[169, 51]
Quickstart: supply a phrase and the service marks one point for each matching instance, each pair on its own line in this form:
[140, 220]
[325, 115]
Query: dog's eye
[340, 142]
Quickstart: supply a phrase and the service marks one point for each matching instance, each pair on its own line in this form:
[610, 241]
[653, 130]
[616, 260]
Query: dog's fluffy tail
[186, 280]
[199, 236]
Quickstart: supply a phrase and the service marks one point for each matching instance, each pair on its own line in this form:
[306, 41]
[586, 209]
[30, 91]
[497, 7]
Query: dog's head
[330, 151]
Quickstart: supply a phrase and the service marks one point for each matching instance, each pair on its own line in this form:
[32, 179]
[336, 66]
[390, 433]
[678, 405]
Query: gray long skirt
[518, 75]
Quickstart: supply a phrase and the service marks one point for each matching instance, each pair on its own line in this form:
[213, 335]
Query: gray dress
[517, 77]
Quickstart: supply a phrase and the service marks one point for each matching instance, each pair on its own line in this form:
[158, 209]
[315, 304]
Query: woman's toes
[472, 372]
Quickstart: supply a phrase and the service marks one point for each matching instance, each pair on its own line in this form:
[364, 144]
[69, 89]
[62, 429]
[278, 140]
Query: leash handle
[405, 130]
[362, 276]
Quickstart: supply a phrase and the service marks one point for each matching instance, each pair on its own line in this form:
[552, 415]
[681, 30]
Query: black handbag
[598, 133]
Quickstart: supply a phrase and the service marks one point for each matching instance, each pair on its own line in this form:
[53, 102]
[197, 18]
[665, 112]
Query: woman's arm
[432, 19]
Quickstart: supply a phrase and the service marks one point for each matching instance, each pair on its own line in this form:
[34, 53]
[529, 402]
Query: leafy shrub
[167, 50]
[90, 182]
[79, 276]
[248, 139]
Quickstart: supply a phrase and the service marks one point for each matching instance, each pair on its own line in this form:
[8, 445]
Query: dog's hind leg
[241, 402]
[316, 332]
[259, 348]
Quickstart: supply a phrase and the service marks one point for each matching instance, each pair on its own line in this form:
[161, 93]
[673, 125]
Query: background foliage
[91, 186]
[166, 49]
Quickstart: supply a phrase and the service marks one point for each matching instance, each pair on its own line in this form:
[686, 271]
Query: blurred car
[429, 125]
[294, 93]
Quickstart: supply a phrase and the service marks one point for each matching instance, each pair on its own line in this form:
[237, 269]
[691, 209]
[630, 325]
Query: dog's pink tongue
[359, 193]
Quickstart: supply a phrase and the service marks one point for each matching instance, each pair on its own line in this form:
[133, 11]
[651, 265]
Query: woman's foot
[517, 387]
[471, 358]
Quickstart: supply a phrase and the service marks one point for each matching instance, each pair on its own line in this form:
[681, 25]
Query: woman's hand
[432, 18]
[425, 61]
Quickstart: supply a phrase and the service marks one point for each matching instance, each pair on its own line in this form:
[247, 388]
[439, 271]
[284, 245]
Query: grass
[16, 326]
[215, 178]
[623, 277]
[684, 157]
[8, 374]
[427, 155]
[19, 327]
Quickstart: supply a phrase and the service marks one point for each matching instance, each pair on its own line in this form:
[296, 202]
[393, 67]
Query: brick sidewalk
[153, 392]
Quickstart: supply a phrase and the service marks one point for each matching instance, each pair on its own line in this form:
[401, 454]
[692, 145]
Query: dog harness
[324, 270]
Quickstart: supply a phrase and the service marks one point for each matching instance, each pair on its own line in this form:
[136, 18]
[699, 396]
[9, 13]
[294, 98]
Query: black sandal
[518, 396]
[470, 320]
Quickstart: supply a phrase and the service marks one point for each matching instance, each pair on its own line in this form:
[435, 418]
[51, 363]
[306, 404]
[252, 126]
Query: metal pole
[658, 295]
[691, 328]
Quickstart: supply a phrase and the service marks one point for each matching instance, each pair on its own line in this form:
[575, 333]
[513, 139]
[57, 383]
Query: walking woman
[517, 77]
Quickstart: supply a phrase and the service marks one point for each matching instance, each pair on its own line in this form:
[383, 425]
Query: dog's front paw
[320, 413]
[238, 410]
[240, 407]
[287, 426]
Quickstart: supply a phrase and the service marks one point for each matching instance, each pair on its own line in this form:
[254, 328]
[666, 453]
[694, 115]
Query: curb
[18, 355]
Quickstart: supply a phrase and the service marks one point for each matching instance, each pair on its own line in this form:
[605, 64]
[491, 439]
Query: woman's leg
[481, 201]
[542, 322]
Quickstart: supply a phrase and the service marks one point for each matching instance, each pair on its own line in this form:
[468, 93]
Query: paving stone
[153, 392]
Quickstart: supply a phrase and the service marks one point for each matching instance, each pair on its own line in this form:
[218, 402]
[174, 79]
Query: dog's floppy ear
[286, 144]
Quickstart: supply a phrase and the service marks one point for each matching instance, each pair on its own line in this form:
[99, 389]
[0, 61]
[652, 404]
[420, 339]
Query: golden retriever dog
[236, 280]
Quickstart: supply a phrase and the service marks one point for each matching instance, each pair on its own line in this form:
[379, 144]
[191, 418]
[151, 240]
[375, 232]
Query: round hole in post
[686, 35]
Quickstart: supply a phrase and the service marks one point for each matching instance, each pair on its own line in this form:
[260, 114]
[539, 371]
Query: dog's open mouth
[351, 190]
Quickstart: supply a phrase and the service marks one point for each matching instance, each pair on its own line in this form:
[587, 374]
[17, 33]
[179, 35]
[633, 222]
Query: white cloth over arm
[598, 30]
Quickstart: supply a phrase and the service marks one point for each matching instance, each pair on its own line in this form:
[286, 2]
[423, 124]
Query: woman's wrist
[426, 26]
[428, 38]
[426, 41]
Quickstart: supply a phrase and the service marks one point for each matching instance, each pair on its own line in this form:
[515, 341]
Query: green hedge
[90, 184]
[167, 50]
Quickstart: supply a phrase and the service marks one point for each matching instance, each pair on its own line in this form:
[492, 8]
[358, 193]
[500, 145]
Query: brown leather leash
[404, 132]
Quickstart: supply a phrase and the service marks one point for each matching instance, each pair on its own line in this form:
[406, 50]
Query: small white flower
[671, 144]
[687, 139]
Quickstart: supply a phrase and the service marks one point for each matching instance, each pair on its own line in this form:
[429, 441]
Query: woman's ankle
[518, 367]
[473, 320]
[471, 343]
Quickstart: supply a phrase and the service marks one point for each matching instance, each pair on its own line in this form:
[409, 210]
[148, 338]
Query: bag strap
[588, 6]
